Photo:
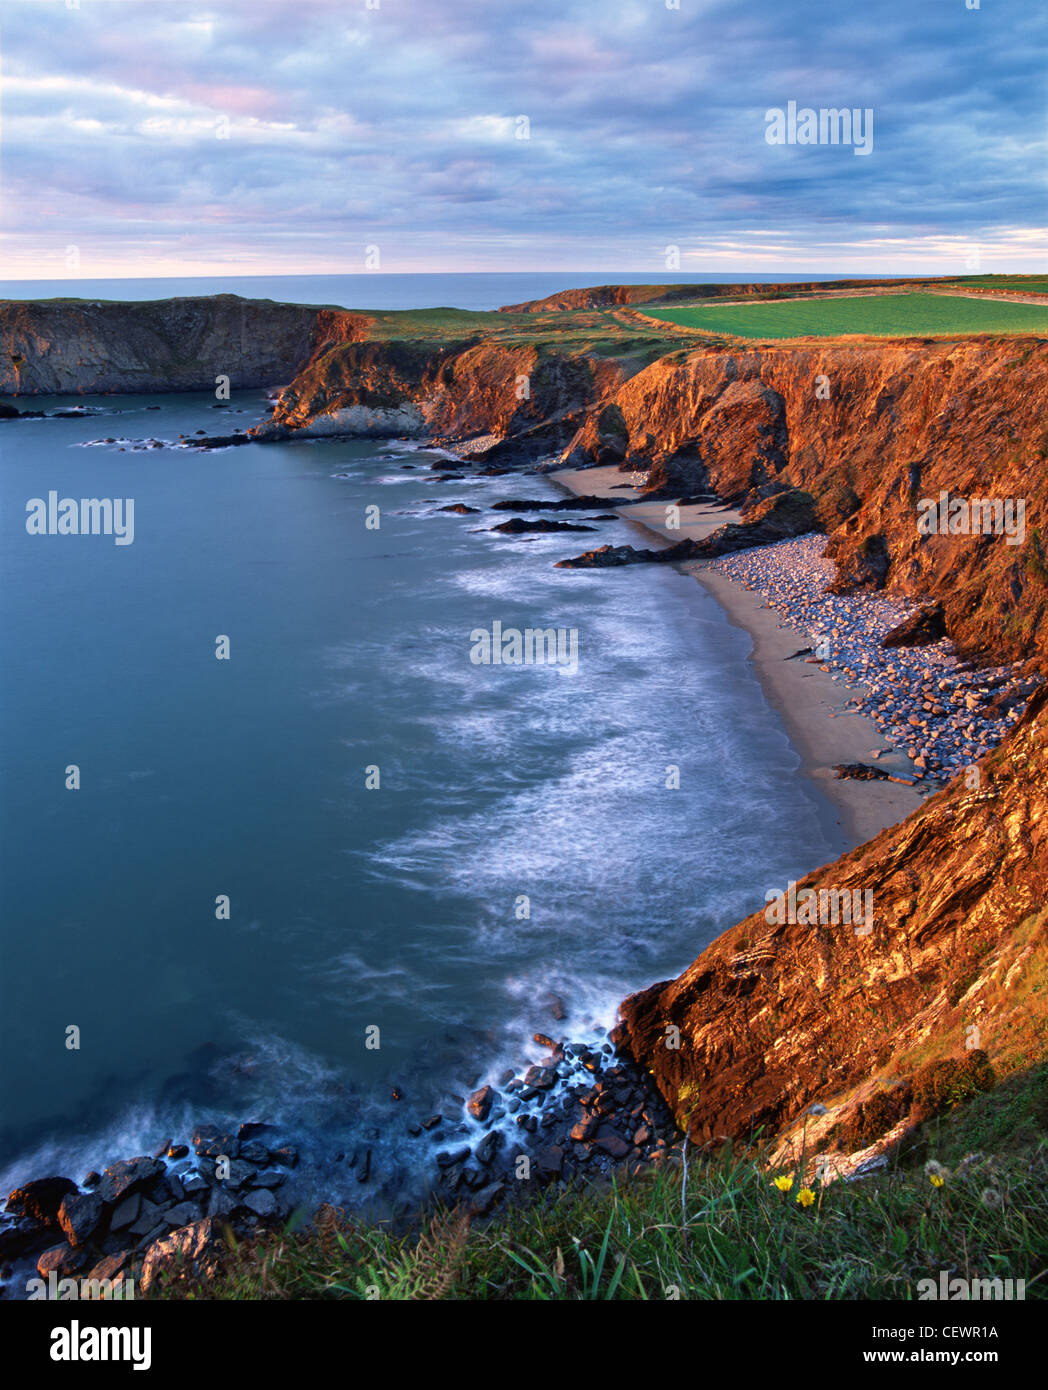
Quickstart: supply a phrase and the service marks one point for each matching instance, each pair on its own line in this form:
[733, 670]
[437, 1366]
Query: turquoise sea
[395, 907]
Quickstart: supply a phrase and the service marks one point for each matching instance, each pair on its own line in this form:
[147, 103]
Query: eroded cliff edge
[79, 346]
[776, 1017]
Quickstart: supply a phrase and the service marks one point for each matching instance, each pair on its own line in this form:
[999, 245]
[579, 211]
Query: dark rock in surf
[40, 1199]
[480, 1103]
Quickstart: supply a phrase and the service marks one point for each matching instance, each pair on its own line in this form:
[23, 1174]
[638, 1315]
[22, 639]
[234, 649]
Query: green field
[1017, 284]
[881, 316]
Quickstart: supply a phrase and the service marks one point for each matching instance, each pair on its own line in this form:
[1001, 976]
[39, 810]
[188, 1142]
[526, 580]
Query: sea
[276, 848]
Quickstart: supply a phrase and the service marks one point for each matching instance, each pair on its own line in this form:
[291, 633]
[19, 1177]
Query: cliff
[867, 429]
[600, 296]
[775, 1017]
[60, 346]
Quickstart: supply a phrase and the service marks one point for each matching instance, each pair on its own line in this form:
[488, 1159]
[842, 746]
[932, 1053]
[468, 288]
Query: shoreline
[810, 703]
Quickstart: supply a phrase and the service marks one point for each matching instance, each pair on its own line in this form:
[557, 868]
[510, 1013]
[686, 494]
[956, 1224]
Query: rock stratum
[64, 346]
[775, 1017]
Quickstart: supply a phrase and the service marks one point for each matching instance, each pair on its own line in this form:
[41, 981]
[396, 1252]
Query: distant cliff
[600, 296]
[63, 346]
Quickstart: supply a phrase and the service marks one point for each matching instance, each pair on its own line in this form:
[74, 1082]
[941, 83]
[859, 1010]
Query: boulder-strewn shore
[138, 1216]
[922, 698]
[149, 1220]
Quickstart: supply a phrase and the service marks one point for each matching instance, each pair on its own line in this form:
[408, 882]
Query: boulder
[920, 629]
[482, 1201]
[480, 1103]
[447, 1159]
[269, 1177]
[61, 1260]
[130, 1175]
[79, 1216]
[109, 1266]
[193, 1252]
[550, 1162]
[41, 1199]
[262, 1203]
[612, 1144]
[485, 1150]
[209, 1143]
[126, 1212]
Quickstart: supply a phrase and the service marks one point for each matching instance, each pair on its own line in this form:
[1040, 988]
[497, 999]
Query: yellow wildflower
[805, 1196]
[783, 1184]
[936, 1179]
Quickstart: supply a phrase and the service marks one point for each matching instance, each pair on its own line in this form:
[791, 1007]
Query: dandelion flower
[936, 1170]
[805, 1196]
[783, 1183]
[936, 1179]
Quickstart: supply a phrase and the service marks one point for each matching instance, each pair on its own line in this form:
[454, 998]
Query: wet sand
[813, 706]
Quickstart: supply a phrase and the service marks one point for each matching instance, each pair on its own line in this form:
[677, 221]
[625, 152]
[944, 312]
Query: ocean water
[396, 908]
[376, 290]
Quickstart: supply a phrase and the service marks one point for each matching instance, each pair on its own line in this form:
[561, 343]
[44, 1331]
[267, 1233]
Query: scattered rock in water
[460, 509]
[612, 556]
[480, 1102]
[41, 1199]
[518, 526]
[559, 504]
[448, 1158]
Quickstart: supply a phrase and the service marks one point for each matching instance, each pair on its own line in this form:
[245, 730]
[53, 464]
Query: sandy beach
[812, 705]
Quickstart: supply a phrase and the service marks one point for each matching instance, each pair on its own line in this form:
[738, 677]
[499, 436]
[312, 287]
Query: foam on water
[351, 908]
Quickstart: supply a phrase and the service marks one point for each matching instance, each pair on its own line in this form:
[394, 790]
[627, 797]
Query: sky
[148, 137]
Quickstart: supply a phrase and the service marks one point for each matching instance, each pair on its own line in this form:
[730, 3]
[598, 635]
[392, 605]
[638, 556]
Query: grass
[889, 315]
[739, 1238]
[1017, 283]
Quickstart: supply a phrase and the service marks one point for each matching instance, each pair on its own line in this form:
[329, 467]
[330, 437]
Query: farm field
[882, 316]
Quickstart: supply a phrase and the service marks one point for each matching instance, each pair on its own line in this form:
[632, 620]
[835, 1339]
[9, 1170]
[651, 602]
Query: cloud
[490, 134]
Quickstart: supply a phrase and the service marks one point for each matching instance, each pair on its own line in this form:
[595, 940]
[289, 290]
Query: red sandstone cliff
[772, 1018]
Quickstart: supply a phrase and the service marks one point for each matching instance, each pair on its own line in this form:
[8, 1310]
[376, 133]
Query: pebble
[924, 701]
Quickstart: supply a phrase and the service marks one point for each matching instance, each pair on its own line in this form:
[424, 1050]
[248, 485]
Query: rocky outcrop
[870, 431]
[527, 398]
[60, 346]
[163, 1209]
[920, 629]
[781, 1012]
